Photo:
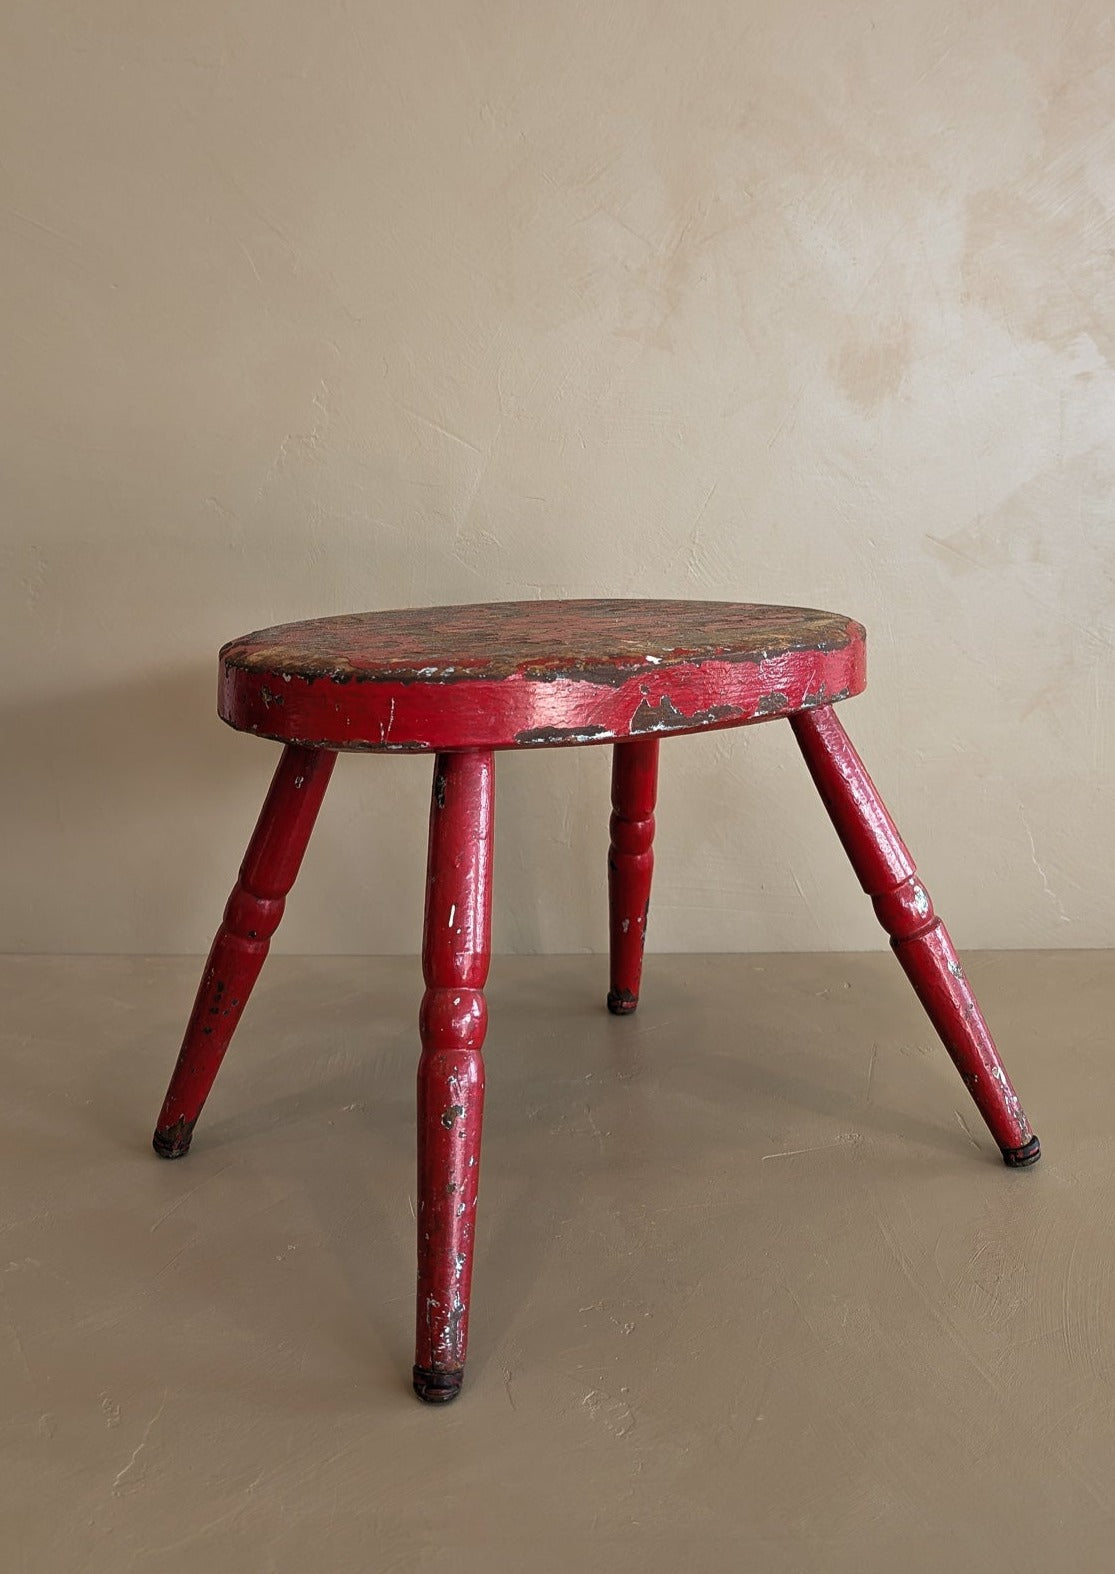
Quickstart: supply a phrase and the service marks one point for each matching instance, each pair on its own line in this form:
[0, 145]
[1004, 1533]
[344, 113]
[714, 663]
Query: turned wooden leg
[630, 866]
[251, 918]
[919, 938]
[456, 950]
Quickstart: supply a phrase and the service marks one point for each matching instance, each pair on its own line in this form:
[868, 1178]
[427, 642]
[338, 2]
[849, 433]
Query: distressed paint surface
[456, 950]
[240, 948]
[534, 674]
[919, 938]
[630, 866]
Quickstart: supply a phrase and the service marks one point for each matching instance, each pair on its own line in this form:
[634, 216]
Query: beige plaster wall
[319, 307]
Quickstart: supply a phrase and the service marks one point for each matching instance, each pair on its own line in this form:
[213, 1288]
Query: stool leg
[242, 942]
[456, 950]
[919, 938]
[630, 866]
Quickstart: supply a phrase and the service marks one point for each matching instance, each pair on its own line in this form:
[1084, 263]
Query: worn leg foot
[173, 1142]
[1021, 1158]
[456, 950]
[251, 918]
[919, 938]
[437, 1388]
[630, 866]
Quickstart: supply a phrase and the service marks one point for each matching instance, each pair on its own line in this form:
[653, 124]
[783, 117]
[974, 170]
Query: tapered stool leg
[919, 938]
[630, 866]
[242, 942]
[456, 950]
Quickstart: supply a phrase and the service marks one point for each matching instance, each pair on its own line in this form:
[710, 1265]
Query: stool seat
[522, 674]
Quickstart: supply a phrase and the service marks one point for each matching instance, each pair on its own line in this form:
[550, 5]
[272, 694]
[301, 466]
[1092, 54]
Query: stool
[461, 682]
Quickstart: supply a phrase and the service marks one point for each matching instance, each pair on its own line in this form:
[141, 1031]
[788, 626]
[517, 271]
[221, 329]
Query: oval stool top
[522, 674]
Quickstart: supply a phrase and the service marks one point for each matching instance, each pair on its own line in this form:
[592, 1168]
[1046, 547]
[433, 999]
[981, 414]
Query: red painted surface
[630, 866]
[535, 674]
[251, 917]
[462, 682]
[919, 938]
[456, 950]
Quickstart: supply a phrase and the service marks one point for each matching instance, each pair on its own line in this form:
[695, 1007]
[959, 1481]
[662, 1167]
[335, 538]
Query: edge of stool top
[534, 674]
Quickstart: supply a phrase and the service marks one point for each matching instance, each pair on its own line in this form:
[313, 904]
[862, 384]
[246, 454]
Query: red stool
[461, 682]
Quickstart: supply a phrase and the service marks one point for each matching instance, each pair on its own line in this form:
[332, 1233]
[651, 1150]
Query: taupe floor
[754, 1291]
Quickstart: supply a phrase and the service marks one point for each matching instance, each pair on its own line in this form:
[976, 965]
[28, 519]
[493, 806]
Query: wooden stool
[461, 682]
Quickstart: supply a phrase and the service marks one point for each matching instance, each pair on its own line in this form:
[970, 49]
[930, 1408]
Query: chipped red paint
[630, 866]
[523, 674]
[461, 682]
[456, 949]
[919, 938]
[251, 917]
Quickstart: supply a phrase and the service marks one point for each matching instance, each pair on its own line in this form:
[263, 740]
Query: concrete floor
[753, 1290]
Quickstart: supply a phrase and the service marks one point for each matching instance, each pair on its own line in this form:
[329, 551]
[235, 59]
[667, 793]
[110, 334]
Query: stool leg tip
[173, 1142]
[437, 1388]
[621, 1002]
[1020, 1158]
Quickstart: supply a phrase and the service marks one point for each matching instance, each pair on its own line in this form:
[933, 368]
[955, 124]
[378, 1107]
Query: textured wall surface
[320, 308]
